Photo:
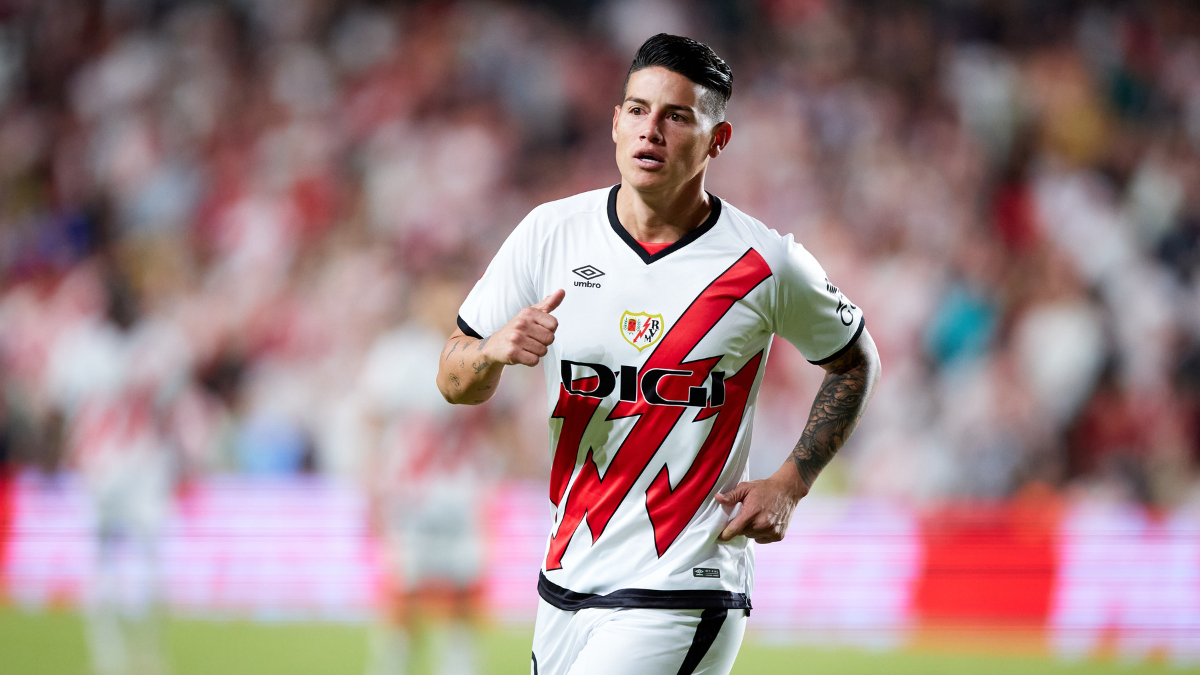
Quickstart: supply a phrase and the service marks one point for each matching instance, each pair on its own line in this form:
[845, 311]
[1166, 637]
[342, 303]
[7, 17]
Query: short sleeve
[810, 312]
[506, 287]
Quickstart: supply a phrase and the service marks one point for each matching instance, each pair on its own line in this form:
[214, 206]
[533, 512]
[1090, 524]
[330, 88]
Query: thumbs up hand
[526, 338]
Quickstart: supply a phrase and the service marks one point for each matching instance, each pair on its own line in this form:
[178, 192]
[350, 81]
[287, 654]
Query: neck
[663, 216]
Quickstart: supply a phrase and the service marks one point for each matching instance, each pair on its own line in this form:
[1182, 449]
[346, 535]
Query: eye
[635, 110]
[676, 117]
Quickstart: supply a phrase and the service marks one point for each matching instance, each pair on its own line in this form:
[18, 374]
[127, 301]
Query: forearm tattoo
[462, 341]
[478, 364]
[836, 410]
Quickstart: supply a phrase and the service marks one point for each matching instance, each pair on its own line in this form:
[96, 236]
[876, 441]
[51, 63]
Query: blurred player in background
[119, 381]
[654, 356]
[427, 487]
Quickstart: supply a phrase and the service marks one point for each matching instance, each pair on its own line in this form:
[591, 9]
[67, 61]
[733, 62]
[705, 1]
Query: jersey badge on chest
[641, 329]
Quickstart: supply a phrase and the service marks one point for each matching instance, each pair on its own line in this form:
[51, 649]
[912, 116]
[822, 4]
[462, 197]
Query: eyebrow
[669, 106]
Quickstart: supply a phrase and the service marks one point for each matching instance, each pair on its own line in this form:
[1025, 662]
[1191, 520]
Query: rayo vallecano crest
[641, 329]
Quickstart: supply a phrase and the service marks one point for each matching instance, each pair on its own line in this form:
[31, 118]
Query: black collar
[688, 238]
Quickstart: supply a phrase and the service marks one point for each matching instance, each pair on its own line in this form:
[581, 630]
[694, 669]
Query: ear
[721, 135]
[616, 115]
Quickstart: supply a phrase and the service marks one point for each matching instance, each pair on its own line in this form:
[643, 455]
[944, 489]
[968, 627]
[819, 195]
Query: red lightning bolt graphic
[643, 330]
[597, 498]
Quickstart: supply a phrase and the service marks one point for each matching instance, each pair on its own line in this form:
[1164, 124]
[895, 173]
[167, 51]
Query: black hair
[694, 60]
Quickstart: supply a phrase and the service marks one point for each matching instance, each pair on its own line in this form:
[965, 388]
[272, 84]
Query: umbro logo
[588, 273]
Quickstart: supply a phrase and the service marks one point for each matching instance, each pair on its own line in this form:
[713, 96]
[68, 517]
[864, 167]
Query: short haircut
[694, 60]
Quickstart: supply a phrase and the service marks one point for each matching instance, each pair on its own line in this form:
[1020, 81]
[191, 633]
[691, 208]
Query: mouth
[648, 159]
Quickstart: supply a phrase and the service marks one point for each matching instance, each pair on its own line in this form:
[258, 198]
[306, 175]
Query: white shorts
[603, 641]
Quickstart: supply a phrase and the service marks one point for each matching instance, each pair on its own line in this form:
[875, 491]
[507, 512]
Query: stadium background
[232, 231]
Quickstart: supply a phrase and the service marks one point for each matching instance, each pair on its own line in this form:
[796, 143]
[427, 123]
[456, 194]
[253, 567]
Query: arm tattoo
[454, 380]
[836, 410]
[456, 343]
[480, 365]
[483, 342]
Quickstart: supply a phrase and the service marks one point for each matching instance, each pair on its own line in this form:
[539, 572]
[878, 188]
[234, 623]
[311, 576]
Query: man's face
[664, 138]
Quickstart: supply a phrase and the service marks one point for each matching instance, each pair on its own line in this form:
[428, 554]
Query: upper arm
[448, 382]
[448, 348]
[458, 333]
[808, 310]
[862, 354]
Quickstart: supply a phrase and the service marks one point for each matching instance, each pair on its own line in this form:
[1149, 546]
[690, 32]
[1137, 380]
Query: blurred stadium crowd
[233, 235]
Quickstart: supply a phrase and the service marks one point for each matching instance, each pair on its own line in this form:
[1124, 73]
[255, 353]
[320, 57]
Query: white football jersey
[652, 380]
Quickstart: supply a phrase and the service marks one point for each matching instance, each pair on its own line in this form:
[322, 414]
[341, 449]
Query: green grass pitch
[52, 643]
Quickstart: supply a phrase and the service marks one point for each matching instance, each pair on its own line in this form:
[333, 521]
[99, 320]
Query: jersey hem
[470, 332]
[640, 598]
[688, 238]
[862, 322]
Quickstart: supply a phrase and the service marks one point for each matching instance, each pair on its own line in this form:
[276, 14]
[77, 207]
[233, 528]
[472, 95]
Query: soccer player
[653, 304]
[426, 485]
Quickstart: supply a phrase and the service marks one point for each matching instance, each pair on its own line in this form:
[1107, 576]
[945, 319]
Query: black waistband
[643, 598]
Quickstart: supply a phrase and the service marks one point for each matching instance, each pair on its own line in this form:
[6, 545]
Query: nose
[650, 129]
